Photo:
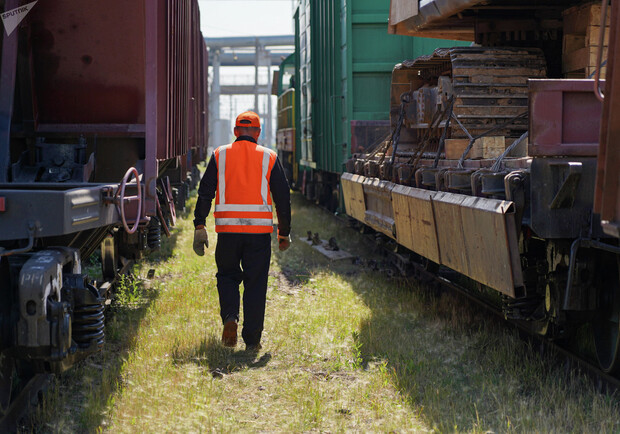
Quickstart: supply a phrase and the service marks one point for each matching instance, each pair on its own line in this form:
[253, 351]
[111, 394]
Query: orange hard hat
[248, 119]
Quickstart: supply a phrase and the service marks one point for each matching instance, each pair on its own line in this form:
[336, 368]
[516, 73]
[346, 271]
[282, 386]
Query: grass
[344, 349]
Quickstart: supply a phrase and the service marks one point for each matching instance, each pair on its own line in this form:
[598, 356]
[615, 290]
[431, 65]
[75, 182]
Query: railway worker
[243, 176]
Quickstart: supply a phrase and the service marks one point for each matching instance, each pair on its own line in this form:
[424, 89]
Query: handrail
[599, 53]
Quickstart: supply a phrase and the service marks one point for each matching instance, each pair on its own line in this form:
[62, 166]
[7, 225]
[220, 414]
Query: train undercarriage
[489, 171]
[52, 313]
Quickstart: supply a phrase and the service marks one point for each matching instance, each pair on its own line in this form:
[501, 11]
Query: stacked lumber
[490, 88]
[484, 147]
[582, 28]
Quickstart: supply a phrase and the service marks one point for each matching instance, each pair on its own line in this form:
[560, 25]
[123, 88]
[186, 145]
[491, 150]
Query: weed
[128, 291]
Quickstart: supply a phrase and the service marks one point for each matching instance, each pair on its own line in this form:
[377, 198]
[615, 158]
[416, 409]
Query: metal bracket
[32, 228]
[565, 197]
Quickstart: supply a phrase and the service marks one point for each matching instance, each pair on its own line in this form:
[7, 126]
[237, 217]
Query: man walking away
[242, 177]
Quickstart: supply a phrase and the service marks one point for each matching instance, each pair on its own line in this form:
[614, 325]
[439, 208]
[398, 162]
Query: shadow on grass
[170, 243]
[220, 360]
[98, 378]
[458, 368]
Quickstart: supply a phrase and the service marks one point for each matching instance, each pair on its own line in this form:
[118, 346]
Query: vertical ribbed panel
[186, 76]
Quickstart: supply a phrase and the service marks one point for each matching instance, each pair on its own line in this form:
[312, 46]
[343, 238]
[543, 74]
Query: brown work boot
[255, 348]
[229, 335]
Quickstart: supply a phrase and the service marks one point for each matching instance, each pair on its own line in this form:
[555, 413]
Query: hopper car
[502, 166]
[103, 116]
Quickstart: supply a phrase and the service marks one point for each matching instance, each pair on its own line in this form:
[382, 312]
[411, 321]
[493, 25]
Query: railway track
[603, 382]
[20, 405]
[15, 405]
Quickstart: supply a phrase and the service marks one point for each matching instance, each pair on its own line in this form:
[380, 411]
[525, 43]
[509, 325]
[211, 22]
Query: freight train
[502, 164]
[499, 165]
[342, 69]
[103, 116]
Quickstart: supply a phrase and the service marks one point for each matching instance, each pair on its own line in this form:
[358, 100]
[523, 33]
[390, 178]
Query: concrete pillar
[269, 132]
[214, 102]
[257, 52]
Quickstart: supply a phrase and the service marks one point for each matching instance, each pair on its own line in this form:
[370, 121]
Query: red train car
[103, 109]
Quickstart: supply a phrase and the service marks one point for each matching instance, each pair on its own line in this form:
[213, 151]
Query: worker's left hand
[284, 242]
[201, 240]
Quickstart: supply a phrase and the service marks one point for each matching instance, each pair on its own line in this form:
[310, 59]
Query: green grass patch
[345, 348]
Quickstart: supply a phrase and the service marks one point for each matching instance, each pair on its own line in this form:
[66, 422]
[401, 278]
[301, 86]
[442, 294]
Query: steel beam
[250, 41]
[246, 59]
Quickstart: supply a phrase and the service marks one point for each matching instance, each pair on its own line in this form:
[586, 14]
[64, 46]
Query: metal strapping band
[243, 222]
[242, 208]
[221, 171]
[263, 182]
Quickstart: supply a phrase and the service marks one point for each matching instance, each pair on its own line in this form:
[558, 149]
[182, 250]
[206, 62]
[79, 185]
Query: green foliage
[128, 291]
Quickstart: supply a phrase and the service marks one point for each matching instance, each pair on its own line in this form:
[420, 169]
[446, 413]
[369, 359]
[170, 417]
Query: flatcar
[103, 110]
[503, 162]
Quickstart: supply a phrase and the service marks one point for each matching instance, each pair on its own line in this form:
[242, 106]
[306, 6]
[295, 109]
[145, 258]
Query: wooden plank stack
[582, 27]
[484, 147]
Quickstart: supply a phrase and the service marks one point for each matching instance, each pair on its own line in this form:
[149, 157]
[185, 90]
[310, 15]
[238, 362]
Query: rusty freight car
[103, 108]
[503, 163]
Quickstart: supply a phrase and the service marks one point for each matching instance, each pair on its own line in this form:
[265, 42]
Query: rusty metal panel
[353, 193]
[378, 200]
[8, 75]
[285, 139]
[607, 192]
[415, 221]
[89, 59]
[565, 118]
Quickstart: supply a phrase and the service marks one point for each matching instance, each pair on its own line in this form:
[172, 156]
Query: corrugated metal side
[304, 83]
[327, 91]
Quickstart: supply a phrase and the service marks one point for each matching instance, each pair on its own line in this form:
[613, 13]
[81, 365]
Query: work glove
[201, 240]
[284, 242]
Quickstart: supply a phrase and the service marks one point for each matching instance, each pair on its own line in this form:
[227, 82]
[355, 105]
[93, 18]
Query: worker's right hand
[201, 240]
[284, 242]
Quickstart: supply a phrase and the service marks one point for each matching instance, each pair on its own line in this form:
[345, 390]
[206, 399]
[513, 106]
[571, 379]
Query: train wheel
[607, 326]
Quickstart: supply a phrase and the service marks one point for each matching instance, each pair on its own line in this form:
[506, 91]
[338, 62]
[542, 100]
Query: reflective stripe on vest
[244, 217]
[243, 222]
[243, 208]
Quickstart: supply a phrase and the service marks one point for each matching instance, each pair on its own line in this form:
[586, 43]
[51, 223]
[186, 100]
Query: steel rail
[23, 402]
[603, 381]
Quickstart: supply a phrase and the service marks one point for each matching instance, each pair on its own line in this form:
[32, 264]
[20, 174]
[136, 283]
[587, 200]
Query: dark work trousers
[243, 258]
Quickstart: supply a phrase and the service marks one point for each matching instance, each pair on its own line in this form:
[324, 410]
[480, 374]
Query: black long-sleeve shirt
[278, 185]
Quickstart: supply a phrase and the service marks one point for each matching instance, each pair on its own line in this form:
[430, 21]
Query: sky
[221, 18]
[226, 18]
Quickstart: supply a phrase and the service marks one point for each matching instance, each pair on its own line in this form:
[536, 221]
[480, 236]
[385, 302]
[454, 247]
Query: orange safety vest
[243, 197]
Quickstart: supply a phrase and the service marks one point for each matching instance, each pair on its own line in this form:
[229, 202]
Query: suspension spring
[88, 324]
[526, 308]
[154, 234]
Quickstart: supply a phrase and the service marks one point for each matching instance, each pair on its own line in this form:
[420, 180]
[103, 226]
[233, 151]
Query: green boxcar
[344, 69]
